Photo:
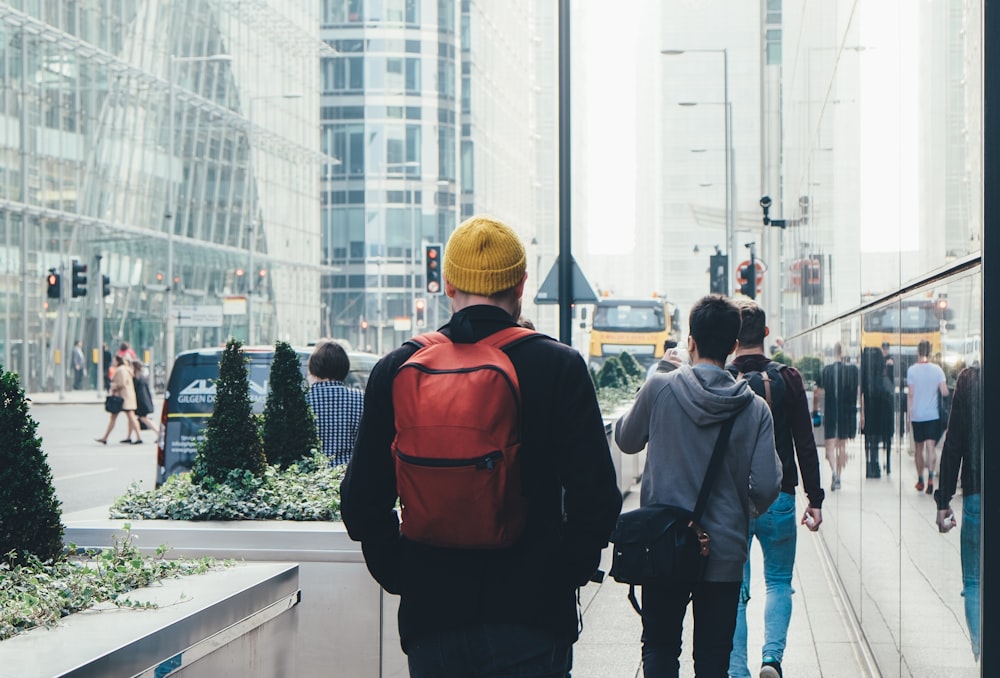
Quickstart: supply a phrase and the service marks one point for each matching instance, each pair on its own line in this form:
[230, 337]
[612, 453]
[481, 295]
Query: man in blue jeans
[962, 452]
[776, 529]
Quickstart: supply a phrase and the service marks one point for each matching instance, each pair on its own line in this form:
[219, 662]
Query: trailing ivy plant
[289, 430]
[306, 490]
[232, 437]
[34, 593]
[30, 514]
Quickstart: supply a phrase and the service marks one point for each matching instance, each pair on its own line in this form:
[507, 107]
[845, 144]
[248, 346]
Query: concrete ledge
[218, 607]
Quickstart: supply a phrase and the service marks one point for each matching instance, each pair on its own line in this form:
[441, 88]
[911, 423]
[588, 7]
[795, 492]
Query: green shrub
[612, 374]
[30, 515]
[289, 430]
[306, 490]
[810, 366]
[631, 366]
[780, 356]
[232, 437]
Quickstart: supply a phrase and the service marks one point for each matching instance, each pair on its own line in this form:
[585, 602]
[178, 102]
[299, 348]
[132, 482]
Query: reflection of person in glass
[963, 450]
[876, 410]
[924, 382]
[837, 388]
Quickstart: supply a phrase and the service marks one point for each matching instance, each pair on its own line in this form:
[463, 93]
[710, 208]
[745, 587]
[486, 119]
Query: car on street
[189, 399]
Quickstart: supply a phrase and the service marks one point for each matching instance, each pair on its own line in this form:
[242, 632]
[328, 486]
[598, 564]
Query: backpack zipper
[484, 463]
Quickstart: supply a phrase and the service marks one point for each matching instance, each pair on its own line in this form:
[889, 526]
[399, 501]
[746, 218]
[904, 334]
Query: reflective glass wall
[169, 148]
[877, 174]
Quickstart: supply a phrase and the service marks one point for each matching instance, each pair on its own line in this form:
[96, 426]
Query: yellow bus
[636, 326]
[904, 326]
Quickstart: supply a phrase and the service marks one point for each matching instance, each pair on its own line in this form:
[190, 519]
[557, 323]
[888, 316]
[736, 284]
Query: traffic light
[718, 263]
[79, 279]
[432, 274]
[420, 312]
[105, 285]
[748, 274]
[55, 289]
[364, 325]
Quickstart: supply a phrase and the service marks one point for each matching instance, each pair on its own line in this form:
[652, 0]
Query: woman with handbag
[122, 387]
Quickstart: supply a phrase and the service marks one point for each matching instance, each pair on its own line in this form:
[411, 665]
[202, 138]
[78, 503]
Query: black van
[190, 399]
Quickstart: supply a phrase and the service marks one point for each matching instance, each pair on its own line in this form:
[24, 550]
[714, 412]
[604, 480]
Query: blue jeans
[664, 605]
[970, 566]
[776, 532]
[491, 650]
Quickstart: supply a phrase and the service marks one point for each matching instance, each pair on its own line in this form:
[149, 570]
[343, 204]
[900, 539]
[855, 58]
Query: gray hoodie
[679, 415]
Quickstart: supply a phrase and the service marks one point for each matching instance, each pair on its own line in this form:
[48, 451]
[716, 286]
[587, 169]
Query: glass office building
[433, 110]
[171, 148]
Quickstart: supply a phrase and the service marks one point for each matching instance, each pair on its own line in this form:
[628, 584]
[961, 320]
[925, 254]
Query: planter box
[346, 623]
[237, 621]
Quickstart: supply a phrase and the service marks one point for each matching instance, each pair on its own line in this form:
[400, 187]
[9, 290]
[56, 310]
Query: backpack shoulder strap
[509, 336]
[427, 339]
[765, 377]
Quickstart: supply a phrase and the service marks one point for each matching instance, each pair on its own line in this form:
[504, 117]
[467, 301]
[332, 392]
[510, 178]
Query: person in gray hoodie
[677, 416]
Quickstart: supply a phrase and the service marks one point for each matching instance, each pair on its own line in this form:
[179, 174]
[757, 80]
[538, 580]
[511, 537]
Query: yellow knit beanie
[484, 256]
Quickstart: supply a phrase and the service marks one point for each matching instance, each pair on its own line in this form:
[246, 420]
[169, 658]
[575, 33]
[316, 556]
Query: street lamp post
[728, 116]
[171, 222]
[252, 276]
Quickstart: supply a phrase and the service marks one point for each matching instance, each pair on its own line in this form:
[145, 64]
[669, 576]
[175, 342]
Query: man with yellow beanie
[477, 611]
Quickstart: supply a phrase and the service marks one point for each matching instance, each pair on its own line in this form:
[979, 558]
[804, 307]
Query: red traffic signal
[432, 269]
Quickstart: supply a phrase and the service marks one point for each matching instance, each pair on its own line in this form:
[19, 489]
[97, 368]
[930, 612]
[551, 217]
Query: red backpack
[458, 439]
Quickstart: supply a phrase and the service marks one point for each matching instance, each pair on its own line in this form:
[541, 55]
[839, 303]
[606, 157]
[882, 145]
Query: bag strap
[502, 339]
[721, 443]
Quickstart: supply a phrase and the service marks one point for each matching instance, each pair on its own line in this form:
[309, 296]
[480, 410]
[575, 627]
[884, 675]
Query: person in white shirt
[925, 382]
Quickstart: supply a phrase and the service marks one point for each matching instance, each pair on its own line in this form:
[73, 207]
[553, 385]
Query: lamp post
[727, 113]
[171, 222]
[252, 276]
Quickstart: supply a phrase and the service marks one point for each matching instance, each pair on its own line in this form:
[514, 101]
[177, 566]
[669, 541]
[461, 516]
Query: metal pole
[565, 185]
[251, 339]
[168, 348]
[730, 244]
[25, 347]
[101, 367]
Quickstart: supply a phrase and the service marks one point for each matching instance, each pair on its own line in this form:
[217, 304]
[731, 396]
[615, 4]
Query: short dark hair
[329, 361]
[714, 324]
[924, 348]
[753, 325]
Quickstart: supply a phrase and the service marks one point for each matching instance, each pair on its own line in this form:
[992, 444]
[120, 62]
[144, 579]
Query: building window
[346, 142]
[342, 11]
[413, 75]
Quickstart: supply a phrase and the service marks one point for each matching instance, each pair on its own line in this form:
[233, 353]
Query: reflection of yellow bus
[636, 326]
[903, 327]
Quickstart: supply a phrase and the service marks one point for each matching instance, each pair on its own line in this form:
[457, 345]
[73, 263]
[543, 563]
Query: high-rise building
[172, 148]
[431, 109]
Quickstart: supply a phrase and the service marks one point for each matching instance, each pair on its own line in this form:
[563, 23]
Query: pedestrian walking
[677, 417]
[877, 411]
[143, 398]
[925, 384]
[962, 455]
[776, 530]
[837, 392]
[483, 592]
[337, 407]
[122, 386]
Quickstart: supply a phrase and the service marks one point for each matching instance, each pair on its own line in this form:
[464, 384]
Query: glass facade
[862, 125]
[427, 108]
[145, 141]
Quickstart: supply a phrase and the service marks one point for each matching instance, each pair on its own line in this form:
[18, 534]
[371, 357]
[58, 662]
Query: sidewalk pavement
[68, 397]
[823, 640]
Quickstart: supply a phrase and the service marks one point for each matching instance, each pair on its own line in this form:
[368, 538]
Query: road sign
[759, 265]
[198, 316]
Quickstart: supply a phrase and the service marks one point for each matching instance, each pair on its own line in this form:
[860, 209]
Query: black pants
[663, 608]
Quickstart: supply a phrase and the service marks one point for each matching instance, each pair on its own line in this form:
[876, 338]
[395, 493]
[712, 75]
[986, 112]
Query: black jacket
[793, 434]
[566, 469]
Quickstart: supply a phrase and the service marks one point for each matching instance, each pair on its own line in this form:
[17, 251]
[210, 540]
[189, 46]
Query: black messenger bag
[665, 542]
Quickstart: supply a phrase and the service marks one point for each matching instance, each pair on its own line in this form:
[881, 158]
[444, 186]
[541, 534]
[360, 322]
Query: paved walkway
[823, 641]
